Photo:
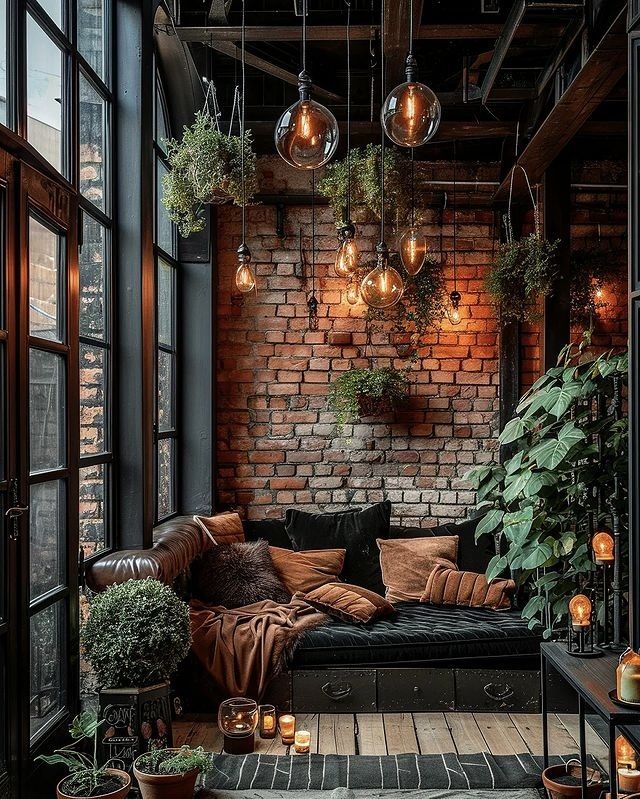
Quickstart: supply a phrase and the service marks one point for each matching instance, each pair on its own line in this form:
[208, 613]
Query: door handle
[12, 515]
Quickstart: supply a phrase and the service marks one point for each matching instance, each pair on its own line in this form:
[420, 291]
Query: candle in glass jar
[267, 721]
[302, 742]
[287, 725]
[628, 677]
[628, 779]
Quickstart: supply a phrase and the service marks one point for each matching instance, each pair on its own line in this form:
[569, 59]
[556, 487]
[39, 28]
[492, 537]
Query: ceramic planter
[557, 790]
[120, 793]
[166, 786]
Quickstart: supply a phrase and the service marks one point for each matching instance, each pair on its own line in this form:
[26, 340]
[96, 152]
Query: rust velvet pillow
[304, 571]
[451, 587]
[407, 563]
[349, 602]
[223, 528]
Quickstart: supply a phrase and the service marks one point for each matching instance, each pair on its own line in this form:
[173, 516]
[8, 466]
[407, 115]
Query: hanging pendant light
[413, 242]
[411, 113]
[245, 277]
[383, 286]
[353, 291]
[312, 301]
[453, 309]
[306, 135]
[348, 254]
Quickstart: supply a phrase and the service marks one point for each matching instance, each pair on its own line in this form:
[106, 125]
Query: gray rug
[448, 772]
[523, 793]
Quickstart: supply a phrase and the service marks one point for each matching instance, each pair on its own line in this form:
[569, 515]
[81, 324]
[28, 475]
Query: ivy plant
[365, 392]
[542, 501]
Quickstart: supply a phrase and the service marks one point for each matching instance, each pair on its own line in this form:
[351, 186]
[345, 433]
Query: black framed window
[166, 362]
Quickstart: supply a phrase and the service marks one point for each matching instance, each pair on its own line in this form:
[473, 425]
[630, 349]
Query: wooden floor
[423, 733]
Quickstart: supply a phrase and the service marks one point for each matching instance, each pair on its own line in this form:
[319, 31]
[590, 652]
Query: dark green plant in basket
[367, 392]
[136, 634]
[567, 453]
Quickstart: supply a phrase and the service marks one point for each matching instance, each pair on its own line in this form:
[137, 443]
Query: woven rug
[410, 771]
[348, 793]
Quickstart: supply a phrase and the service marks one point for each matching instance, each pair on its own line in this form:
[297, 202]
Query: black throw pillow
[235, 575]
[272, 530]
[356, 532]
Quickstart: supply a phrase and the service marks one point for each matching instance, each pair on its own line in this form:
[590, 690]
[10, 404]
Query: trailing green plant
[86, 778]
[591, 270]
[205, 167]
[522, 271]
[358, 392]
[174, 761]
[542, 502]
[365, 184]
[136, 634]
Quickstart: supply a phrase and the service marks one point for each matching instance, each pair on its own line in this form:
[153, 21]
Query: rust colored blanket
[244, 648]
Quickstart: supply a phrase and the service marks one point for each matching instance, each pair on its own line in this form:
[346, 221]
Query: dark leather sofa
[424, 658]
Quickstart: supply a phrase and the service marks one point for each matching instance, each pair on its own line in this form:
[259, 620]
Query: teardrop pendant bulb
[353, 292]
[348, 254]
[413, 249]
[245, 278]
[453, 309]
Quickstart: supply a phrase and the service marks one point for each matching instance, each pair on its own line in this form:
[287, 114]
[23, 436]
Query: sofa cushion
[271, 530]
[407, 563]
[452, 587]
[304, 571]
[223, 528]
[418, 633]
[356, 532]
[349, 603]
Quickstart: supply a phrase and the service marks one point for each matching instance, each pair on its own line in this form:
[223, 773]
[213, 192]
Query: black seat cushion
[418, 633]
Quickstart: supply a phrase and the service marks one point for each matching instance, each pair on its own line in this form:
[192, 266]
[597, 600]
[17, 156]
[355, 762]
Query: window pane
[47, 529]
[164, 232]
[47, 657]
[162, 127]
[44, 281]
[44, 94]
[165, 303]
[93, 503]
[92, 400]
[166, 467]
[91, 33]
[4, 46]
[93, 276]
[46, 410]
[165, 391]
[92, 140]
[53, 9]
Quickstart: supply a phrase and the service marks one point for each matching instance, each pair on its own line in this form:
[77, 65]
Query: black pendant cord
[313, 233]
[242, 124]
[304, 35]
[382, 147]
[348, 4]
[411, 29]
[413, 188]
[455, 175]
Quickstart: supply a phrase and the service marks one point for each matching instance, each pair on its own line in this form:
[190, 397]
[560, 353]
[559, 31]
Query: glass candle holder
[287, 724]
[628, 780]
[238, 719]
[302, 742]
[628, 677]
[268, 725]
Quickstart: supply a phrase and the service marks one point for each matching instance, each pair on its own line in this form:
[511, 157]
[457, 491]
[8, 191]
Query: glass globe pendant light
[413, 243]
[411, 112]
[306, 135]
[245, 277]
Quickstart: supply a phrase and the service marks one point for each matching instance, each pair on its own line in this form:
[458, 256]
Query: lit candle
[628, 677]
[302, 742]
[287, 728]
[628, 779]
[267, 721]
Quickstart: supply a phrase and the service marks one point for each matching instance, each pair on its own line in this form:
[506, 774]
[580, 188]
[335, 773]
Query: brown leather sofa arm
[176, 544]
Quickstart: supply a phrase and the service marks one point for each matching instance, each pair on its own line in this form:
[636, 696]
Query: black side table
[591, 679]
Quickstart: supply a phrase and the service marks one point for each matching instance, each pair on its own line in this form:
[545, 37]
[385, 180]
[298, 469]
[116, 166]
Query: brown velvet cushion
[349, 602]
[407, 563]
[451, 587]
[237, 574]
[304, 571]
[223, 528]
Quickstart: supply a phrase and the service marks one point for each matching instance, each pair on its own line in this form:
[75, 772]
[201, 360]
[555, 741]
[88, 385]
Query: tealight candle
[267, 721]
[628, 779]
[302, 742]
[287, 725]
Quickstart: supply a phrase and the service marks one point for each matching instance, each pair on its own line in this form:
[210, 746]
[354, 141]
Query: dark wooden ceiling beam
[447, 131]
[602, 70]
[396, 31]
[507, 35]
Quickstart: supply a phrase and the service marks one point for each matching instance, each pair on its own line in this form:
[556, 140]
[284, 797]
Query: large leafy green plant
[542, 502]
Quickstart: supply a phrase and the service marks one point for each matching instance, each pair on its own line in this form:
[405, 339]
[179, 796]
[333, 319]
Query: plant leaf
[489, 523]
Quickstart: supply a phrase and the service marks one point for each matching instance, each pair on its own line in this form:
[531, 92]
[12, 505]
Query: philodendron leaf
[559, 398]
[496, 566]
[513, 464]
[489, 523]
[513, 430]
[541, 555]
[539, 480]
[516, 487]
[517, 525]
[550, 454]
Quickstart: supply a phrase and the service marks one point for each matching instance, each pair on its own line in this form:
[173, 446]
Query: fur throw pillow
[237, 574]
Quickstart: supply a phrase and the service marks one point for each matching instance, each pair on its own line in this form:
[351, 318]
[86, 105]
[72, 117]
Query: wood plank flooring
[422, 733]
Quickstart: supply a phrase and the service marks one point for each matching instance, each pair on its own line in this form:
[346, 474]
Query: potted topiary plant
[136, 635]
[367, 392]
[170, 773]
[86, 778]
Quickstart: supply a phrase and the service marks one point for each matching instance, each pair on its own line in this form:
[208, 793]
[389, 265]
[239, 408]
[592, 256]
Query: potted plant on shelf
[367, 392]
[170, 773]
[86, 778]
[134, 638]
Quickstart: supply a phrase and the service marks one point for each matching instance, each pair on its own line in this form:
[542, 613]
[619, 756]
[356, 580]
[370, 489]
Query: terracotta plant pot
[120, 793]
[166, 786]
[559, 791]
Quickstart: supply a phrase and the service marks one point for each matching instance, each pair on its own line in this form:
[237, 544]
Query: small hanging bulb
[383, 286]
[348, 253]
[353, 292]
[245, 278]
[453, 309]
[312, 305]
[413, 249]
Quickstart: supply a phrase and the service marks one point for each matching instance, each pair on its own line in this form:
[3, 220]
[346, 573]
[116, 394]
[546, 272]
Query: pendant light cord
[382, 38]
[313, 232]
[242, 125]
[411, 28]
[304, 35]
[348, 4]
[413, 188]
[455, 174]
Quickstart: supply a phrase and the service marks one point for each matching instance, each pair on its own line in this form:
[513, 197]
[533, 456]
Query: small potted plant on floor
[170, 773]
[136, 635]
[367, 392]
[86, 778]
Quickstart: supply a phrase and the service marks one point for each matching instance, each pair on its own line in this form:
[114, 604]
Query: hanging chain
[211, 102]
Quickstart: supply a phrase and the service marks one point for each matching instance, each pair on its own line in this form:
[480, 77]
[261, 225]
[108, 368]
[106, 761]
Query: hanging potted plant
[170, 773]
[360, 393]
[86, 779]
[206, 167]
[523, 270]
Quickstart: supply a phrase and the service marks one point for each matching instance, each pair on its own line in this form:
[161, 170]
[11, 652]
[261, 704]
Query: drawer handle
[498, 692]
[338, 691]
